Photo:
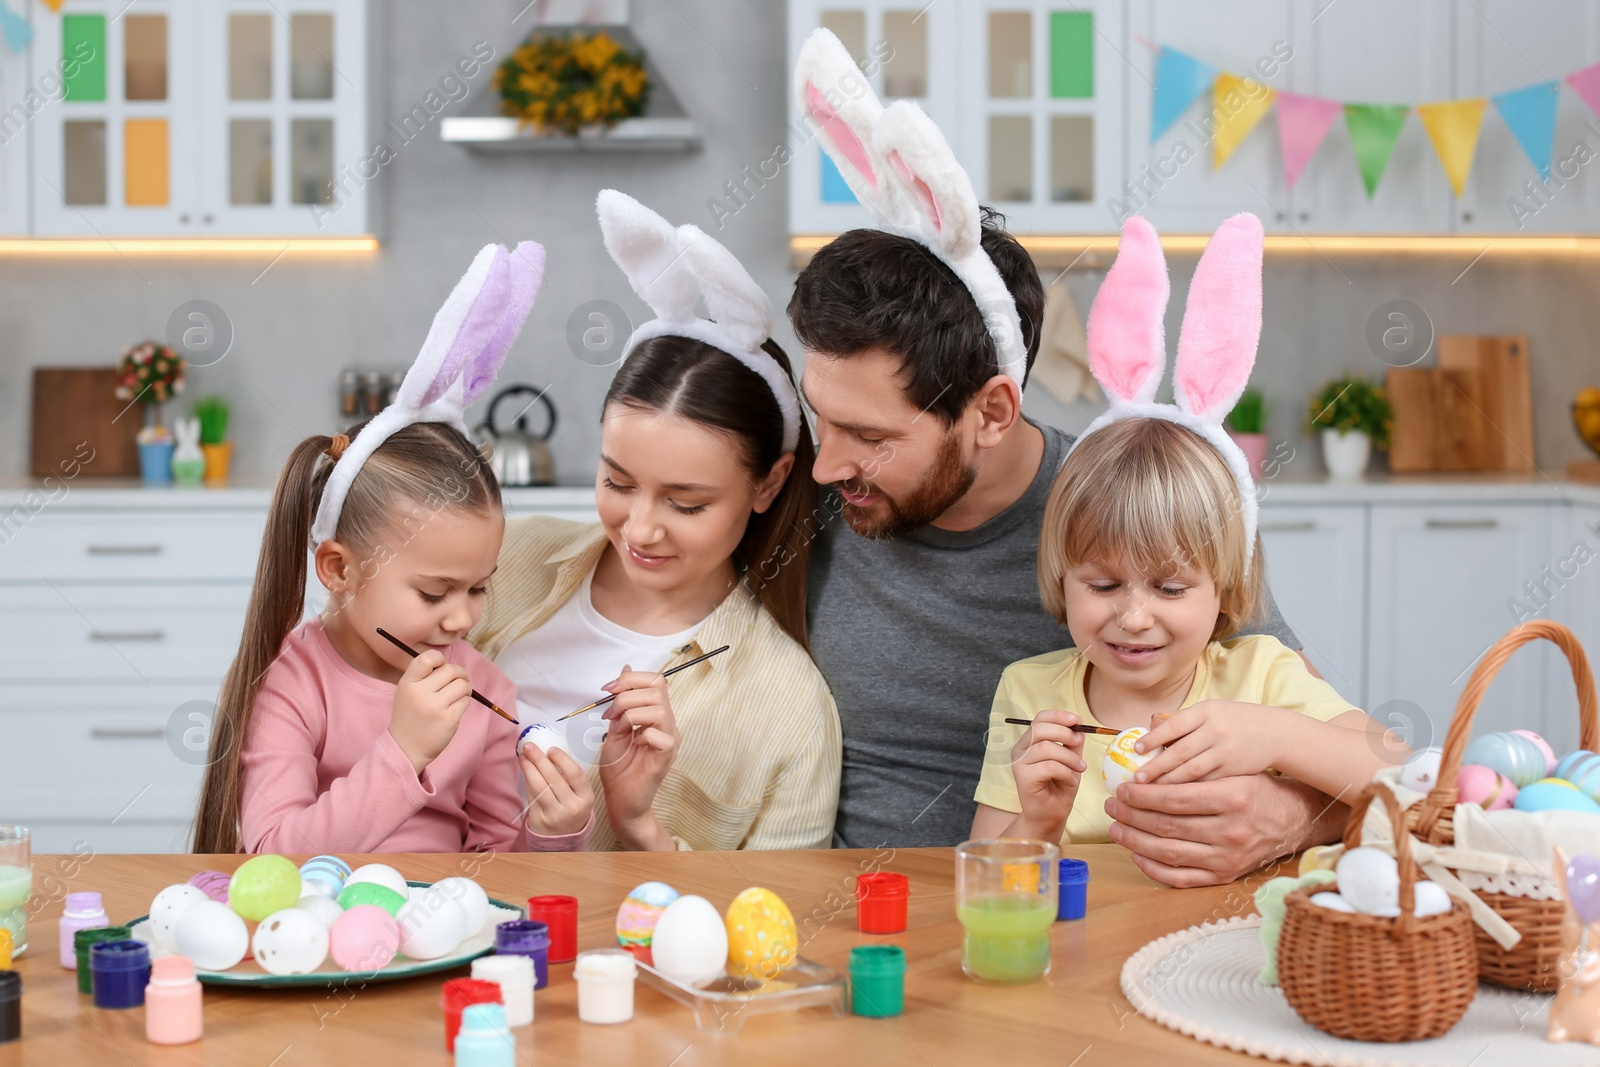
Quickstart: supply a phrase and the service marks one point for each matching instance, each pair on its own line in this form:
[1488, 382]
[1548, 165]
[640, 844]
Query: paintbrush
[1082, 727]
[479, 697]
[664, 674]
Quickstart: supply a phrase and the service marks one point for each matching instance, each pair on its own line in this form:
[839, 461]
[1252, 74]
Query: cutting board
[1506, 400]
[74, 405]
[1438, 423]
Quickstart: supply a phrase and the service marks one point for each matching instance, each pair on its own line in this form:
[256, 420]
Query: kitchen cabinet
[1569, 592]
[1316, 567]
[17, 109]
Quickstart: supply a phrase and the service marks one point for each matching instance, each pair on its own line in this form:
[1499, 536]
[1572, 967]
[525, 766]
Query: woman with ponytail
[707, 510]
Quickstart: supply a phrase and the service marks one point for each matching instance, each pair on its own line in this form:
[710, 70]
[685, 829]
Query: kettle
[516, 456]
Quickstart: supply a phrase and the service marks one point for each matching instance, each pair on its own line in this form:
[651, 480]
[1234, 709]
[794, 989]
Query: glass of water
[16, 882]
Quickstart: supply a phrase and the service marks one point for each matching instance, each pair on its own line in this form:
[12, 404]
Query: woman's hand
[429, 701]
[1046, 763]
[635, 756]
[1213, 739]
[560, 799]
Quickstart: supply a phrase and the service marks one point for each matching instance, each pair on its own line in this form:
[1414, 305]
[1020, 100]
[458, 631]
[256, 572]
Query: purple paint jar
[524, 937]
[83, 912]
[119, 971]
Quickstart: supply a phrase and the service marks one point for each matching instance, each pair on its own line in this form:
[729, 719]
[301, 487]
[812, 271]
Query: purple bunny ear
[526, 276]
[461, 329]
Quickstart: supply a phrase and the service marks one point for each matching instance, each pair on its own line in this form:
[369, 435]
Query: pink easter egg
[1544, 746]
[213, 884]
[1485, 787]
[364, 939]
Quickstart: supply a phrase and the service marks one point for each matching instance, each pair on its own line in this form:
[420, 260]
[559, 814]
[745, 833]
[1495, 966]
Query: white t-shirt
[561, 666]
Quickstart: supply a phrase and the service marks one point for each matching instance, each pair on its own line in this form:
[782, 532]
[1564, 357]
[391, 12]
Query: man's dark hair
[873, 289]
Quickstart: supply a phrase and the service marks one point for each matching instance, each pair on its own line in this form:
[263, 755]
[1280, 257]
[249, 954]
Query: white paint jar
[605, 985]
[514, 976]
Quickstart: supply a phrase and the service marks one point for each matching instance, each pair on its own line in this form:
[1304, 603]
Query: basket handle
[1442, 798]
[1409, 871]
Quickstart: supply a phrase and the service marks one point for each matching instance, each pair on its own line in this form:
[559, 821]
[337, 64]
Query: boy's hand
[560, 798]
[1046, 763]
[429, 701]
[1209, 740]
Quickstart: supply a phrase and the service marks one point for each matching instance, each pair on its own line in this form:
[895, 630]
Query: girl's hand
[560, 798]
[1046, 763]
[1212, 739]
[635, 756]
[429, 701]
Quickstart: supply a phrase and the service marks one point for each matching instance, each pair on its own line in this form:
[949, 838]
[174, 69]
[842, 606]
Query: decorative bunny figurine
[1216, 351]
[188, 462]
[462, 354]
[1575, 1011]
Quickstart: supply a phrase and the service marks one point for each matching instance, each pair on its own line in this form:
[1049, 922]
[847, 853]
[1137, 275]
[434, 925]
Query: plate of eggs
[271, 924]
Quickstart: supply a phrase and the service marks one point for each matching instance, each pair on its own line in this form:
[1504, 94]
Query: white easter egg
[1333, 902]
[212, 935]
[291, 941]
[380, 874]
[1121, 761]
[431, 925]
[690, 943]
[327, 911]
[546, 735]
[318, 888]
[1370, 881]
[1431, 899]
[1421, 771]
[470, 895]
[167, 908]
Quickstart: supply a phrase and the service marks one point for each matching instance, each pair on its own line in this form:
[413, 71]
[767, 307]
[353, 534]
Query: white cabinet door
[1316, 566]
[1499, 49]
[19, 108]
[1442, 584]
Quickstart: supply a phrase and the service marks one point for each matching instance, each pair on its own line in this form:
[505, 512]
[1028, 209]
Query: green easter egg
[371, 893]
[263, 885]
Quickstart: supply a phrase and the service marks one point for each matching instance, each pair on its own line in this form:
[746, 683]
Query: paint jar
[484, 1040]
[605, 985]
[524, 937]
[172, 1002]
[1006, 900]
[5, 949]
[83, 912]
[560, 914]
[877, 980]
[459, 994]
[80, 949]
[10, 1006]
[514, 976]
[881, 901]
[119, 971]
[1072, 888]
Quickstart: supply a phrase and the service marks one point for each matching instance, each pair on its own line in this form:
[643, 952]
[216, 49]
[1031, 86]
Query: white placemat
[1202, 982]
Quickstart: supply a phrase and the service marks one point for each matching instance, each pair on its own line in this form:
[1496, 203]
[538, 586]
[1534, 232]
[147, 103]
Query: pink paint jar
[172, 1002]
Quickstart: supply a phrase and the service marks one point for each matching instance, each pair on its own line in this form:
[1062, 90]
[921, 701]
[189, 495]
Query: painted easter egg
[379, 874]
[212, 935]
[1582, 769]
[1369, 880]
[762, 939]
[325, 874]
[1319, 858]
[640, 911]
[213, 884]
[371, 893]
[1519, 758]
[691, 941]
[1121, 762]
[432, 924]
[1485, 787]
[470, 895]
[364, 939]
[1544, 747]
[290, 942]
[1554, 795]
[1421, 771]
[167, 908]
[546, 736]
[327, 911]
[263, 885]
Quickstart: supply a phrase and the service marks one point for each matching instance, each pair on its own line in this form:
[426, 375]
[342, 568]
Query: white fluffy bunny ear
[1127, 331]
[461, 329]
[734, 300]
[1222, 321]
[921, 161]
[650, 252]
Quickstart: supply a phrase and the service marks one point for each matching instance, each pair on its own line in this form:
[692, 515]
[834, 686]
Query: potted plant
[150, 373]
[1351, 415]
[572, 84]
[212, 411]
[1247, 426]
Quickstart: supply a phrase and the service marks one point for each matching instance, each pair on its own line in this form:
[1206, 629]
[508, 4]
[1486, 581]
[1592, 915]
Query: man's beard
[947, 482]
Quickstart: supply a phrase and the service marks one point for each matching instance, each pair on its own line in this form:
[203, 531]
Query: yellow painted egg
[762, 939]
[1121, 761]
[1319, 858]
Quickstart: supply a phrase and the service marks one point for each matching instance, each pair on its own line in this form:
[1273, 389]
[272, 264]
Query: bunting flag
[53, 5]
[1453, 128]
[1303, 121]
[1531, 114]
[18, 33]
[1180, 79]
[1586, 83]
[1237, 105]
[1374, 128]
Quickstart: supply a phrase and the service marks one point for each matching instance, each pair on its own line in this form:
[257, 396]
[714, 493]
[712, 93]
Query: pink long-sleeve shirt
[320, 771]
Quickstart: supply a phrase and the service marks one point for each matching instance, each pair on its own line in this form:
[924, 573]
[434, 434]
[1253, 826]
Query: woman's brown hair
[682, 376]
[427, 466]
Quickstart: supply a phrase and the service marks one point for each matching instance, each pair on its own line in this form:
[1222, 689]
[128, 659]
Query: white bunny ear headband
[1216, 351]
[459, 360]
[672, 269]
[900, 166]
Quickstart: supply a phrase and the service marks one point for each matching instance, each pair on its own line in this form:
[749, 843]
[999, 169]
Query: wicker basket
[1365, 978]
[1531, 963]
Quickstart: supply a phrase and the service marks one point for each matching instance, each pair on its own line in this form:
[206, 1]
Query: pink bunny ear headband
[459, 360]
[672, 269]
[1216, 351]
[900, 166]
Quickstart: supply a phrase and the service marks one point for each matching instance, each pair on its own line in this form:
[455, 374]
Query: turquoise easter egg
[326, 873]
[1582, 769]
[1554, 796]
[1516, 757]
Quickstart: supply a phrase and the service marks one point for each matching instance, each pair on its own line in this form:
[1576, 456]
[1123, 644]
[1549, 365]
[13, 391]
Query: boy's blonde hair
[1151, 495]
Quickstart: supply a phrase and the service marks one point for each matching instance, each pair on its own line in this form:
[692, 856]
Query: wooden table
[1076, 1016]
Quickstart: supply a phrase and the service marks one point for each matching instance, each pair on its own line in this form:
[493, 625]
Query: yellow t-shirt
[1255, 670]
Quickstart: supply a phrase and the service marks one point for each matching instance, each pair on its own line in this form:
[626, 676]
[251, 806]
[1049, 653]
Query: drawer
[130, 634]
[130, 547]
[85, 840]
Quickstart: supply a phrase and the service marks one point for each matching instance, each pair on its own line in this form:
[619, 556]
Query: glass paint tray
[722, 1004]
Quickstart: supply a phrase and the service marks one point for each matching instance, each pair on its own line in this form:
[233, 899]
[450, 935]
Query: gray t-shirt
[912, 634]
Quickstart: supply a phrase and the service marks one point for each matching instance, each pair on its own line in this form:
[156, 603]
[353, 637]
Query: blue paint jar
[1072, 889]
[118, 972]
[483, 1040]
[525, 937]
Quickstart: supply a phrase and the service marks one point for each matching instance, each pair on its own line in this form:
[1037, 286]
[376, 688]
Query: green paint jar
[877, 980]
[82, 939]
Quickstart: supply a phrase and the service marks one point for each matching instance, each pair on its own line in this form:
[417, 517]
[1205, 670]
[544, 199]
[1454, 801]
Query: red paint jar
[454, 998]
[560, 914]
[881, 900]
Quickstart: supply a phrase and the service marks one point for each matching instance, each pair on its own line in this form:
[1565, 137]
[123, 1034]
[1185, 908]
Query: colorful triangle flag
[1374, 128]
[18, 33]
[53, 5]
[1237, 105]
[1303, 122]
[1180, 79]
[1453, 128]
[1531, 114]
[1586, 83]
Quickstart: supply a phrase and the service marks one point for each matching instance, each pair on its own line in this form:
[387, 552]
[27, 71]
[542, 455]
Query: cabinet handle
[1288, 527]
[112, 733]
[109, 636]
[1461, 524]
[124, 550]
